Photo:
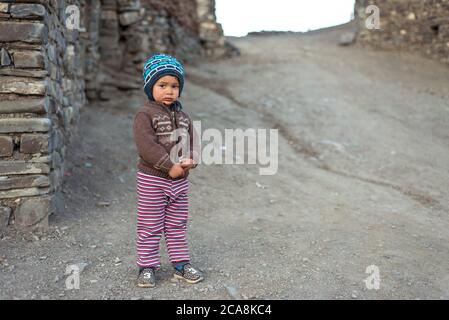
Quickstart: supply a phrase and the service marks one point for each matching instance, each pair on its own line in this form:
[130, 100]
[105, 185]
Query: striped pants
[162, 207]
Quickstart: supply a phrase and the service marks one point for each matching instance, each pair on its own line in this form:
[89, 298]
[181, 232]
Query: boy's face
[166, 90]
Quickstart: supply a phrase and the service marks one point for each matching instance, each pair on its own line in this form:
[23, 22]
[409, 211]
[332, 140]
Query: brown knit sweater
[153, 126]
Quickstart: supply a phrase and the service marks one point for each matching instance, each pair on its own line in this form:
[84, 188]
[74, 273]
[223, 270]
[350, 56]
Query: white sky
[238, 17]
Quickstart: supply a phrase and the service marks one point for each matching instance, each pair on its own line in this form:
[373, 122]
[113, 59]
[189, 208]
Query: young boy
[162, 184]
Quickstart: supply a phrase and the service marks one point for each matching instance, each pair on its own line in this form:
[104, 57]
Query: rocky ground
[362, 180]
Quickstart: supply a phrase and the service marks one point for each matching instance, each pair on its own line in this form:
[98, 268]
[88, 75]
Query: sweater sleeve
[147, 146]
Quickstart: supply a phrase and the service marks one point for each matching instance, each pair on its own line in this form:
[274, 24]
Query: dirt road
[363, 180]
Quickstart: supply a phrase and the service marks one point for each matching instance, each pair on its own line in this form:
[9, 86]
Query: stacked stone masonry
[52, 64]
[411, 25]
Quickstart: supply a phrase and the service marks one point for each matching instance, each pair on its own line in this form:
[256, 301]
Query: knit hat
[160, 65]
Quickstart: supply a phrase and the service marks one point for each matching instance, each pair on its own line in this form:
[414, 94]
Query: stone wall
[49, 71]
[418, 25]
[130, 30]
[41, 94]
[211, 32]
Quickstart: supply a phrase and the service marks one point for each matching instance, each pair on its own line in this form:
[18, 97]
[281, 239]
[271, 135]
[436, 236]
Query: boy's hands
[187, 164]
[176, 171]
[181, 168]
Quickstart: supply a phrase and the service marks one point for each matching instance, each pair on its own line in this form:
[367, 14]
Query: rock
[347, 38]
[56, 160]
[57, 139]
[209, 31]
[5, 213]
[23, 72]
[9, 125]
[27, 181]
[103, 204]
[128, 18]
[5, 58]
[31, 211]
[4, 7]
[28, 59]
[111, 80]
[6, 146]
[27, 11]
[20, 105]
[34, 143]
[22, 85]
[27, 192]
[22, 31]
[37, 157]
[411, 16]
[22, 167]
[108, 14]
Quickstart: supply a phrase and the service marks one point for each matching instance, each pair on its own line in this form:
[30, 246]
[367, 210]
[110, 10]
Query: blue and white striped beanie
[157, 66]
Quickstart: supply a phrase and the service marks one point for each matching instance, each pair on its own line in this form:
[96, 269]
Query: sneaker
[146, 278]
[188, 274]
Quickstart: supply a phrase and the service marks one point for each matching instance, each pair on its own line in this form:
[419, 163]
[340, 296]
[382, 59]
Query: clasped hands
[180, 169]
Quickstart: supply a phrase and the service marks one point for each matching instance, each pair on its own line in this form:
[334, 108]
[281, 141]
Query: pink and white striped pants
[162, 206]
